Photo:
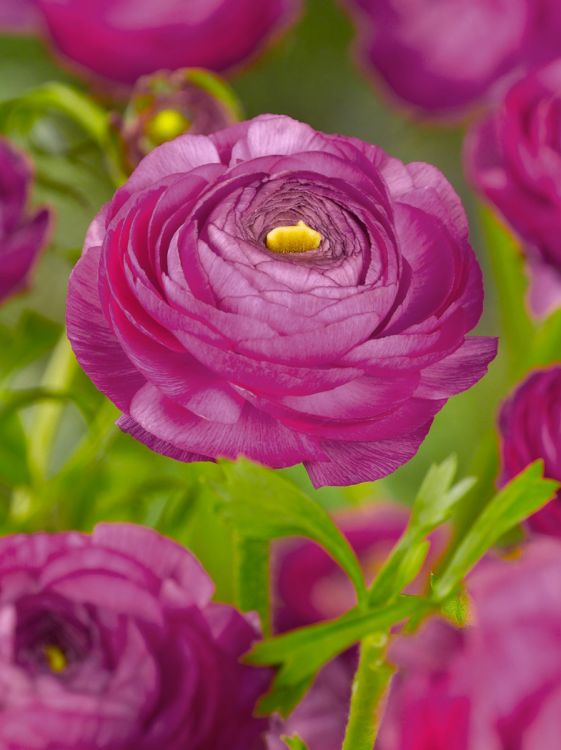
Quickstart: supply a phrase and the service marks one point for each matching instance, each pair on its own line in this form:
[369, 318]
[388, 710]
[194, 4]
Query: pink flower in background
[121, 40]
[495, 684]
[514, 159]
[442, 57]
[18, 15]
[112, 641]
[530, 426]
[310, 587]
[22, 235]
[275, 292]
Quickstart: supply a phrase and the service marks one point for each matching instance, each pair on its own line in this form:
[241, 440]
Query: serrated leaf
[261, 505]
[522, 497]
[301, 653]
[435, 502]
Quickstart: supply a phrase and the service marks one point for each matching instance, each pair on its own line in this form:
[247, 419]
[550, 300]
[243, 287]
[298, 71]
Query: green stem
[252, 579]
[57, 378]
[369, 688]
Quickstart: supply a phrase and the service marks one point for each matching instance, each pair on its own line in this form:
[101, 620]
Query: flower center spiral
[55, 658]
[299, 238]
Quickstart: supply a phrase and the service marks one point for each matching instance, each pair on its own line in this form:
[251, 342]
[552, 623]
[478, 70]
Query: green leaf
[523, 496]
[252, 579]
[14, 469]
[294, 743]
[27, 340]
[261, 505]
[508, 267]
[547, 342]
[435, 502]
[301, 653]
[25, 62]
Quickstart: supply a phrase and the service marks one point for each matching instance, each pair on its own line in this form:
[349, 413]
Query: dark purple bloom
[514, 159]
[121, 40]
[111, 641]
[494, 684]
[442, 57]
[166, 105]
[22, 236]
[274, 292]
[530, 425]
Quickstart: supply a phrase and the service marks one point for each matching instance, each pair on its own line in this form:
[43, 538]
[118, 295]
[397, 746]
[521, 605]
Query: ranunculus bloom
[282, 294]
[111, 641]
[310, 587]
[443, 56]
[514, 159]
[22, 236]
[166, 105]
[121, 40]
[530, 425]
[496, 684]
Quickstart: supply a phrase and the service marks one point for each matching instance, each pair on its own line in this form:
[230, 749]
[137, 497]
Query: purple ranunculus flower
[495, 684]
[121, 40]
[530, 426]
[111, 641]
[282, 294]
[168, 104]
[442, 57]
[22, 236]
[310, 587]
[514, 159]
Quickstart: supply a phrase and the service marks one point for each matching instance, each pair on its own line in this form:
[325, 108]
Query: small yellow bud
[293, 239]
[56, 659]
[167, 125]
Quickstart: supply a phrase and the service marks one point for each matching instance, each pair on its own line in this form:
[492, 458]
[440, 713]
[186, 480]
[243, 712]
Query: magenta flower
[112, 641]
[18, 15]
[309, 588]
[122, 40]
[530, 425]
[22, 236]
[443, 57]
[282, 294]
[494, 684]
[514, 159]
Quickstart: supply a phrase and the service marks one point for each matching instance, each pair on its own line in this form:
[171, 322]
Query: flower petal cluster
[210, 313]
[443, 57]
[514, 159]
[22, 236]
[111, 641]
[121, 40]
[530, 427]
[495, 683]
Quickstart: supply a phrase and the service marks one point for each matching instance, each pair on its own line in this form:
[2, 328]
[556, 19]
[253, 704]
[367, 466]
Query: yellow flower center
[56, 659]
[293, 239]
[167, 125]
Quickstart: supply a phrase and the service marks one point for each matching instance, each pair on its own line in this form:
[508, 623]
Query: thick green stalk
[57, 378]
[370, 684]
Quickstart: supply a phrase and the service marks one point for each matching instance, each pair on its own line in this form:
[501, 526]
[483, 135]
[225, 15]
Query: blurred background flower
[22, 235]
[530, 426]
[442, 58]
